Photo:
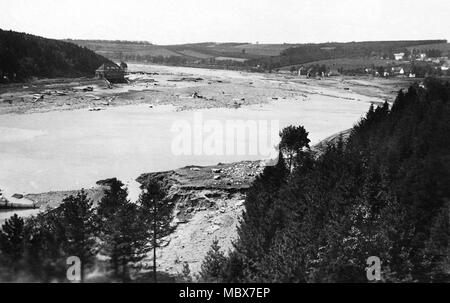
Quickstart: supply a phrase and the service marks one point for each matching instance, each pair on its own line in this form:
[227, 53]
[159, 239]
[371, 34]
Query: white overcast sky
[266, 21]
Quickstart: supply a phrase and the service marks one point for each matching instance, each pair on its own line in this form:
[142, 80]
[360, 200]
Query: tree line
[23, 56]
[115, 236]
[383, 191]
[323, 51]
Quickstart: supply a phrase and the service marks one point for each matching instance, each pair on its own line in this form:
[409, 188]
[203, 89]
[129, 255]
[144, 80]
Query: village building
[422, 56]
[111, 72]
[399, 56]
[409, 72]
[333, 72]
[398, 71]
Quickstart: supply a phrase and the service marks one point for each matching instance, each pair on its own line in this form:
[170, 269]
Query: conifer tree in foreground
[156, 215]
[383, 191]
[77, 216]
[213, 264]
[122, 233]
[12, 243]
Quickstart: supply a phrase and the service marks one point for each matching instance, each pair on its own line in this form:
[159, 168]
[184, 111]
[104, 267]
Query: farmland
[351, 57]
[141, 51]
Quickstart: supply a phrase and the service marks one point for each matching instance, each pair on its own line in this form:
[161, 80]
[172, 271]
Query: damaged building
[111, 72]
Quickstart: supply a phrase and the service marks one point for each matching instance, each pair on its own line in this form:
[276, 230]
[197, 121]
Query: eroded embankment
[208, 203]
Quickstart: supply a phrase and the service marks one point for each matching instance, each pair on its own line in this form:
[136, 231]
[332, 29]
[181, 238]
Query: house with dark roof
[111, 72]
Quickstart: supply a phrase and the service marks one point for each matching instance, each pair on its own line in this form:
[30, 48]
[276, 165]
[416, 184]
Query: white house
[398, 70]
[399, 56]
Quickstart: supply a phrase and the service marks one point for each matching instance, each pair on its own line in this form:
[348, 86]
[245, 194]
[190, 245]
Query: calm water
[73, 149]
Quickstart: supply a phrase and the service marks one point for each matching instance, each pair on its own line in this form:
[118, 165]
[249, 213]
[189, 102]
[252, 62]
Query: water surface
[67, 150]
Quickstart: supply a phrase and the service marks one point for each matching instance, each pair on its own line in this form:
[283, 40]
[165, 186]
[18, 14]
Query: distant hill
[308, 53]
[351, 55]
[345, 63]
[23, 56]
[444, 48]
[126, 50]
[144, 51]
[233, 49]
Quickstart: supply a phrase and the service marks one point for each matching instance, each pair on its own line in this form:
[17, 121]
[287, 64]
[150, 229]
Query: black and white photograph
[224, 142]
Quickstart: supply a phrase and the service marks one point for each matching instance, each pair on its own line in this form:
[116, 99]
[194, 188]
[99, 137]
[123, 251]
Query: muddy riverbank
[187, 88]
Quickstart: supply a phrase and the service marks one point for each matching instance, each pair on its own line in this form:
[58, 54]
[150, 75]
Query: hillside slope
[353, 56]
[145, 51]
[23, 56]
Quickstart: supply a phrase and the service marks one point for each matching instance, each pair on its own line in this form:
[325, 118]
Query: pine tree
[114, 197]
[263, 216]
[122, 234]
[80, 228]
[233, 271]
[156, 214]
[293, 140]
[12, 242]
[213, 264]
[45, 259]
[124, 240]
[186, 272]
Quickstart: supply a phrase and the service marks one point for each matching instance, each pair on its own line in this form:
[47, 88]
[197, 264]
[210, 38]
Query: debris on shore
[88, 89]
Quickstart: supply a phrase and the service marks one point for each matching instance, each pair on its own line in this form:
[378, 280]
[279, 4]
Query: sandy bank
[159, 85]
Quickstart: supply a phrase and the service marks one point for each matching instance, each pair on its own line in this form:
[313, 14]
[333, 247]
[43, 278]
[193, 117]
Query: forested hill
[383, 192]
[351, 50]
[23, 56]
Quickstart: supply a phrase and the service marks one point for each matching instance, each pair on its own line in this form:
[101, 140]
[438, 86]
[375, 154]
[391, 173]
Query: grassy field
[266, 49]
[244, 50]
[117, 49]
[195, 54]
[114, 50]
